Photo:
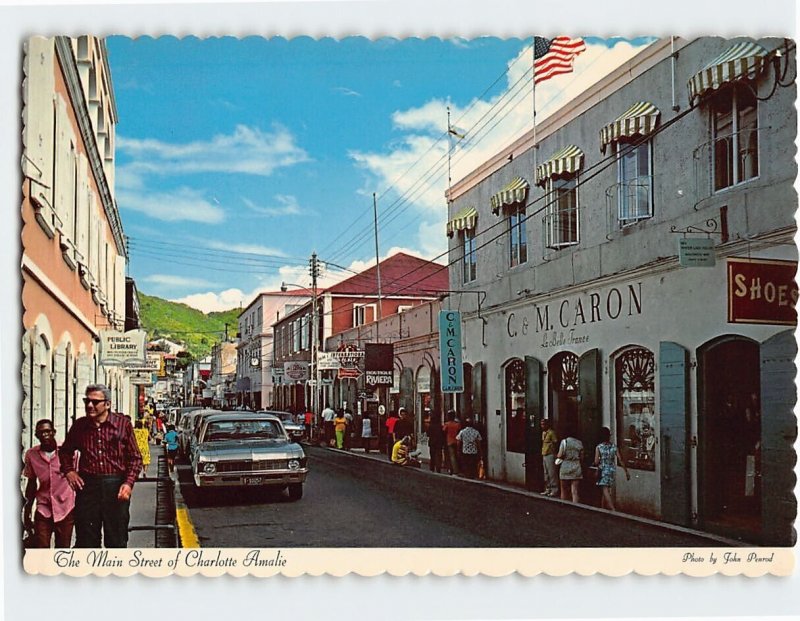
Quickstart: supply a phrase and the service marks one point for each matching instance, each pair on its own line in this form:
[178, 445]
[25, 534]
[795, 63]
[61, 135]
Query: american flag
[553, 57]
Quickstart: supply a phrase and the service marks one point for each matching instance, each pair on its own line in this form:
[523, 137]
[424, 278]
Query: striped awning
[514, 192]
[640, 119]
[465, 219]
[740, 61]
[566, 161]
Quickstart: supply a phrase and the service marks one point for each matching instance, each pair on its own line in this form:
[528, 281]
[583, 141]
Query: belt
[86, 475]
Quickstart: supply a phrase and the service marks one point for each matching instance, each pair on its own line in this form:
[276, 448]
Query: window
[470, 255]
[402, 308]
[561, 213]
[296, 332]
[305, 331]
[517, 233]
[734, 126]
[635, 402]
[363, 314]
[516, 386]
[635, 199]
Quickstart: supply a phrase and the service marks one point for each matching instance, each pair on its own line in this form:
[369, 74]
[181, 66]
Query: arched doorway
[563, 392]
[515, 391]
[729, 435]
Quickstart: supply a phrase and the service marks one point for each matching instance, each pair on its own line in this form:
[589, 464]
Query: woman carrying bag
[570, 456]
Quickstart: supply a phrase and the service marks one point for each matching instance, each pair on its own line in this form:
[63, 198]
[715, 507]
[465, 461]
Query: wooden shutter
[478, 392]
[778, 434]
[534, 475]
[674, 412]
[590, 409]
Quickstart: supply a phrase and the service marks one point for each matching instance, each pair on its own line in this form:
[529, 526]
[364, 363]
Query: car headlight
[209, 467]
[294, 464]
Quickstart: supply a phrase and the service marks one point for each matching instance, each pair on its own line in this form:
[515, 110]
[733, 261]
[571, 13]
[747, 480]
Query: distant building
[222, 380]
[74, 253]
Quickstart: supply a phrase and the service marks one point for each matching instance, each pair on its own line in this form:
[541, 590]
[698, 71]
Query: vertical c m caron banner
[451, 367]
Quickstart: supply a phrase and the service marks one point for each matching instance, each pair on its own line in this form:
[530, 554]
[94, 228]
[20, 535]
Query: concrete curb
[523, 492]
[187, 535]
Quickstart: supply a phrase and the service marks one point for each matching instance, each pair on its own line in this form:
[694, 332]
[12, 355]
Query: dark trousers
[43, 529]
[97, 508]
[470, 463]
[436, 458]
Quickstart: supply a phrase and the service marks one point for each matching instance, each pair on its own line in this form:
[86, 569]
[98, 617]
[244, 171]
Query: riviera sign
[450, 362]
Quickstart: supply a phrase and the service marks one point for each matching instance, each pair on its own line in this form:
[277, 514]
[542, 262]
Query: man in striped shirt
[109, 463]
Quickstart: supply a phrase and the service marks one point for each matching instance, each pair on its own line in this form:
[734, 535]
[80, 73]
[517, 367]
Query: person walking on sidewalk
[469, 442]
[143, 442]
[327, 423]
[451, 428]
[308, 421]
[55, 499]
[404, 427]
[340, 427]
[606, 457]
[348, 432]
[549, 450]
[171, 444]
[391, 421]
[435, 442]
[570, 452]
[110, 461]
[366, 432]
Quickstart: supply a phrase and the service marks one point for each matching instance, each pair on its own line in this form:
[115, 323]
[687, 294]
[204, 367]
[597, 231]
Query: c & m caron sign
[762, 291]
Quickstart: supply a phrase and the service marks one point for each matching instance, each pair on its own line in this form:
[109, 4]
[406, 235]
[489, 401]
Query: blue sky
[236, 158]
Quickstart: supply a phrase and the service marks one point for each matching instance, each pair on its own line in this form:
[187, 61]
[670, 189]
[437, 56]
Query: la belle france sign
[451, 366]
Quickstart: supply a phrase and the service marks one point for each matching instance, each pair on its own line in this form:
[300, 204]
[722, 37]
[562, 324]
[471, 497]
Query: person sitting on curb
[402, 454]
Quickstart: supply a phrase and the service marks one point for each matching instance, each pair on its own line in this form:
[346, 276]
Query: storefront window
[515, 407]
[636, 399]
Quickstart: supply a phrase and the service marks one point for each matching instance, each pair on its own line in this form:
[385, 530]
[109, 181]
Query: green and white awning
[640, 119]
[743, 60]
[465, 219]
[514, 192]
[566, 161]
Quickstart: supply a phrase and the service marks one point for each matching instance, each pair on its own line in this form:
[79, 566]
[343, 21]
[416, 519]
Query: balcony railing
[629, 202]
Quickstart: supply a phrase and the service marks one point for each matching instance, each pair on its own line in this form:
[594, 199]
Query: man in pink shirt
[55, 499]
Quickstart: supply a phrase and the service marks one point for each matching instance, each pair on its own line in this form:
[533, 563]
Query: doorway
[563, 391]
[730, 437]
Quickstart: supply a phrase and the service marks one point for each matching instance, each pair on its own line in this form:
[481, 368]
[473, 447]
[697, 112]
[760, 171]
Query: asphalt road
[350, 501]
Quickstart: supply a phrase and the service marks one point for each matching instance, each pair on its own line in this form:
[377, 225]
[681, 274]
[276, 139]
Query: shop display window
[636, 407]
[515, 406]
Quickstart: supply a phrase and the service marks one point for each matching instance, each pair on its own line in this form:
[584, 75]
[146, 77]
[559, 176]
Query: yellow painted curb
[186, 530]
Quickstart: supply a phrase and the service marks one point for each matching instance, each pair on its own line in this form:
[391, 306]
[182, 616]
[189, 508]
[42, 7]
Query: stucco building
[593, 315]
[74, 254]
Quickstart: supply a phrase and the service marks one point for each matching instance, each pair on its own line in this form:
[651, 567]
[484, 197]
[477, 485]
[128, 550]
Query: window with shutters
[518, 237]
[469, 254]
[561, 213]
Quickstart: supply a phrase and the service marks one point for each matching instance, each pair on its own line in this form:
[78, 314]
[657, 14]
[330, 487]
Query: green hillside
[184, 324]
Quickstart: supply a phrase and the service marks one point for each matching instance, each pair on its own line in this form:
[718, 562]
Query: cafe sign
[762, 291]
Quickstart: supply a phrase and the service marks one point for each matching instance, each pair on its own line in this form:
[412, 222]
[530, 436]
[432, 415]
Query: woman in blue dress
[606, 458]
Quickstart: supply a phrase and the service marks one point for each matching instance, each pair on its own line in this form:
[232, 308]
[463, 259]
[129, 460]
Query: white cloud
[248, 150]
[183, 204]
[246, 248]
[214, 302]
[286, 206]
[176, 281]
[347, 92]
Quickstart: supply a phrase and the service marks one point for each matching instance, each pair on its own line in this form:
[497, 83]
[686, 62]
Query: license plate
[252, 480]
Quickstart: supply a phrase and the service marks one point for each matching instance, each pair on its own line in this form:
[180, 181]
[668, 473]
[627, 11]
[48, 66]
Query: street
[350, 501]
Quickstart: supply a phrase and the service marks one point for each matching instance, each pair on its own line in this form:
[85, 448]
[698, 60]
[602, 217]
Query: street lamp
[314, 346]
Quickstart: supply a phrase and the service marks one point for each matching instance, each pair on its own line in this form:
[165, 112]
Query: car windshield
[285, 416]
[242, 430]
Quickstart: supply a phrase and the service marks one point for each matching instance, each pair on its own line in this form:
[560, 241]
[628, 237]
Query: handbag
[561, 449]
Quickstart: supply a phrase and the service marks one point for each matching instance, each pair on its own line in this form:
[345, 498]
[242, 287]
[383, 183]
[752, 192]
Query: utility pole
[314, 271]
[377, 261]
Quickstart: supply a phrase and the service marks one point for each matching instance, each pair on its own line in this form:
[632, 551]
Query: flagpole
[533, 80]
[449, 154]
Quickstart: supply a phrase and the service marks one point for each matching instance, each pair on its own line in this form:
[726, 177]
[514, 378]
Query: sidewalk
[143, 504]
[383, 459]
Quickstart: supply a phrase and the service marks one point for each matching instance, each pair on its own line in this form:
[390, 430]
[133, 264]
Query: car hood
[253, 449]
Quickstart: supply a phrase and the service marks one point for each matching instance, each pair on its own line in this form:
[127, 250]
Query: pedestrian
[606, 458]
[435, 442]
[47, 485]
[348, 432]
[404, 426]
[570, 455]
[340, 427]
[171, 444]
[391, 421]
[451, 428]
[549, 450]
[308, 420]
[402, 454]
[109, 462]
[366, 432]
[142, 441]
[327, 423]
[469, 443]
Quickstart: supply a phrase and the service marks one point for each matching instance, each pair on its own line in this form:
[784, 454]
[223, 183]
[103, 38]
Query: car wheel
[295, 491]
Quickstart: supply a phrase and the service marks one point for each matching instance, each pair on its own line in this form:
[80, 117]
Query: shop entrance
[730, 437]
[562, 373]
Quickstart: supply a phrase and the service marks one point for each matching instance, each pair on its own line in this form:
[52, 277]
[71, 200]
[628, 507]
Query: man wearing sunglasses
[108, 465]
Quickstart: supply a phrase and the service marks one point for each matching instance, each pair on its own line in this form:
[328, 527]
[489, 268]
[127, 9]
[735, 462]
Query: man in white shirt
[327, 422]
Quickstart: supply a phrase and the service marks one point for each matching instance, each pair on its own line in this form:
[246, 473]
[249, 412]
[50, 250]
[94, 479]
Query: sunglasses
[94, 402]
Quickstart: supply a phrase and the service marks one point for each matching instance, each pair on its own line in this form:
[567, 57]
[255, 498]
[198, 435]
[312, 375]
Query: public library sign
[559, 321]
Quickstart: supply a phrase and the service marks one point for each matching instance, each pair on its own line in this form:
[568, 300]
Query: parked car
[184, 428]
[194, 429]
[246, 450]
[295, 430]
